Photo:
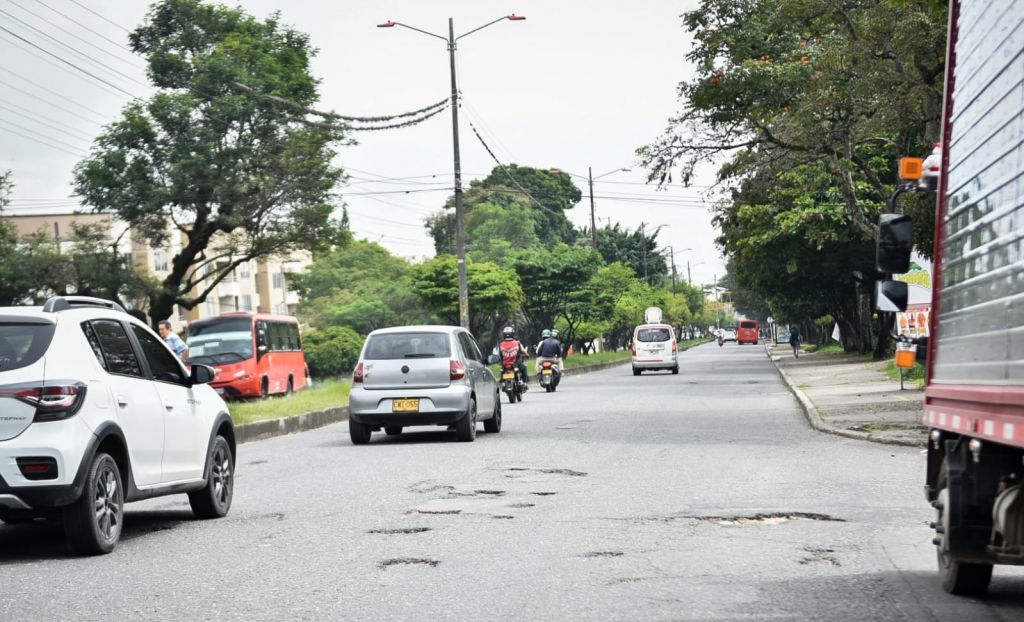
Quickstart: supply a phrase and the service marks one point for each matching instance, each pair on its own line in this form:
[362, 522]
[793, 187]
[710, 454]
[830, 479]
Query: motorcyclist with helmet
[513, 352]
[549, 349]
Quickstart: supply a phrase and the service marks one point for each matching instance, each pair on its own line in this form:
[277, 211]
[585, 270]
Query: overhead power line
[50, 91]
[120, 45]
[42, 120]
[358, 194]
[509, 174]
[123, 59]
[73, 50]
[66, 148]
[66, 62]
[106, 19]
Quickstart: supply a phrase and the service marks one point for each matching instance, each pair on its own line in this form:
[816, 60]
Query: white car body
[79, 378]
[654, 347]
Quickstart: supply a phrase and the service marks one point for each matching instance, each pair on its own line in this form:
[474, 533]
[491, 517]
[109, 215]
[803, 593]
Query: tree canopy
[228, 169]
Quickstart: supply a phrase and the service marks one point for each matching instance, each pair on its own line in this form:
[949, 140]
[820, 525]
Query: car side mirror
[202, 374]
[891, 296]
[493, 359]
[895, 243]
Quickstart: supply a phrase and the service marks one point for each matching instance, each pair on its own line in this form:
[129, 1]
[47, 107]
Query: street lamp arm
[616, 170]
[512, 17]
[390, 24]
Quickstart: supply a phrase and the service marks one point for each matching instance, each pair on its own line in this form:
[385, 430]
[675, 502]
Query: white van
[654, 345]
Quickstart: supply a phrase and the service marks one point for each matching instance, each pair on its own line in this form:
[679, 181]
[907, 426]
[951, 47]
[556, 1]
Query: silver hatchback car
[422, 375]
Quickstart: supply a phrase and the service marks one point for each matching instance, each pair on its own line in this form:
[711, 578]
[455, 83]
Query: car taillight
[457, 371]
[357, 374]
[53, 401]
[675, 347]
[632, 348]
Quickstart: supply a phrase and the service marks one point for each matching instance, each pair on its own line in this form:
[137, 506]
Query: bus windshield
[222, 341]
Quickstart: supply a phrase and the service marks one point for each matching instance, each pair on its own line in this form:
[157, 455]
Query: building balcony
[229, 288]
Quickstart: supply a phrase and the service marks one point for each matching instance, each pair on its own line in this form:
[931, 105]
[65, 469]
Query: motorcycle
[550, 376]
[511, 383]
[721, 341]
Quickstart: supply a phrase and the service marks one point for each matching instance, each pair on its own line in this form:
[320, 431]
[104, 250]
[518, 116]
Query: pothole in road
[603, 554]
[438, 512]
[544, 493]
[399, 530]
[773, 518]
[429, 486]
[548, 471]
[408, 561]
[521, 505]
[820, 556]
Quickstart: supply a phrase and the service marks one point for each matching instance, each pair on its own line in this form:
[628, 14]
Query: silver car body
[405, 362]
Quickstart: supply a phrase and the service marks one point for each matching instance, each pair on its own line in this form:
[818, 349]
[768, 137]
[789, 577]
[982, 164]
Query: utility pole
[643, 248]
[593, 221]
[460, 232]
[460, 229]
[672, 255]
[689, 281]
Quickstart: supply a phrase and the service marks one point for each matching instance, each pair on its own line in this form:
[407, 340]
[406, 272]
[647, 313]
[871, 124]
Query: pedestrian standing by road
[172, 340]
[794, 340]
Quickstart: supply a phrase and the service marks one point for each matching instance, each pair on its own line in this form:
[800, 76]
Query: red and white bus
[254, 354]
[974, 400]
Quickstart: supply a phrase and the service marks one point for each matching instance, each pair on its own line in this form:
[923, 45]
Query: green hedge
[333, 351]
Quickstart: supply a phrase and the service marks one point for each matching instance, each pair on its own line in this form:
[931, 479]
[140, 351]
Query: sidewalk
[851, 395]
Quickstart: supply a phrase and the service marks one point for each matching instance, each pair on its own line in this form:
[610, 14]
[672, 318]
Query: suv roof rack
[63, 303]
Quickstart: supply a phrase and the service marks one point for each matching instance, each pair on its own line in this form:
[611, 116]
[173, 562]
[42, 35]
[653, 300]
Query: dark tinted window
[162, 361]
[408, 345]
[653, 334]
[748, 325]
[117, 350]
[23, 344]
[221, 325]
[469, 347]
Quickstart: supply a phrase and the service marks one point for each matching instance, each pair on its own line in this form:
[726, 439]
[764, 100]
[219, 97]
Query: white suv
[96, 411]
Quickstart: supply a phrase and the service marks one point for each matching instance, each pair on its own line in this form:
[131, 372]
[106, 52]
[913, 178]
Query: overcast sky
[579, 83]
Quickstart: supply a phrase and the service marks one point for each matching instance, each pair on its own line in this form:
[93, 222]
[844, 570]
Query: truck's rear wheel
[958, 577]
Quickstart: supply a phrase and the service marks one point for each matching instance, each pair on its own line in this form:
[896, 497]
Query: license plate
[508, 376]
[405, 406]
[547, 372]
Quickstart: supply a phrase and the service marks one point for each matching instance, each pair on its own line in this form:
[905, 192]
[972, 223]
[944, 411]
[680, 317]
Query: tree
[230, 170]
[20, 260]
[521, 219]
[494, 293]
[550, 281]
[332, 352]
[359, 285]
[637, 249]
[816, 81]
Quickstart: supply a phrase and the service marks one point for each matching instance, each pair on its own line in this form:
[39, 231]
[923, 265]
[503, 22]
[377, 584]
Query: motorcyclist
[513, 352]
[550, 349]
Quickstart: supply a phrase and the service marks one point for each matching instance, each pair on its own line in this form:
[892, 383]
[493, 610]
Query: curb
[817, 422]
[269, 428]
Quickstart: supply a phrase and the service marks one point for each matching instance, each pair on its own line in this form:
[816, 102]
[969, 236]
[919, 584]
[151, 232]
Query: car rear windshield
[748, 325]
[22, 344]
[407, 346]
[653, 334]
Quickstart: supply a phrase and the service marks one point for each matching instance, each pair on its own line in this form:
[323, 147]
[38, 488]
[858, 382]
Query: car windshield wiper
[420, 355]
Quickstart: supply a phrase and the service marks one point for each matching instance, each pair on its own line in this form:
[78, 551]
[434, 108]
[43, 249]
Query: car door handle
[122, 401]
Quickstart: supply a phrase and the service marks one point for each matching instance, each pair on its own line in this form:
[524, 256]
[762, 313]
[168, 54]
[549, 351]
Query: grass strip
[913, 376]
[323, 395]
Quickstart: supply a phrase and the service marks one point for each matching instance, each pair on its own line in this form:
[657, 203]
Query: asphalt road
[702, 496]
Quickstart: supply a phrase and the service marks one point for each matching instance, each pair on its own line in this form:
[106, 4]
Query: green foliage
[510, 218]
[550, 281]
[332, 352]
[637, 249]
[816, 100]
[494, 292]
[234, 172]
[360, 286]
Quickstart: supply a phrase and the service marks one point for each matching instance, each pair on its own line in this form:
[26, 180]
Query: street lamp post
[460, 233]
[672, 258]
[689, 280]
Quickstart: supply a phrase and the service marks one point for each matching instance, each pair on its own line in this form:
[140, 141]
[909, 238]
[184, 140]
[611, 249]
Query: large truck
[974, 396]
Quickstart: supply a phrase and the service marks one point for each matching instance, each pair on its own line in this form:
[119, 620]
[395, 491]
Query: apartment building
[260, 286]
